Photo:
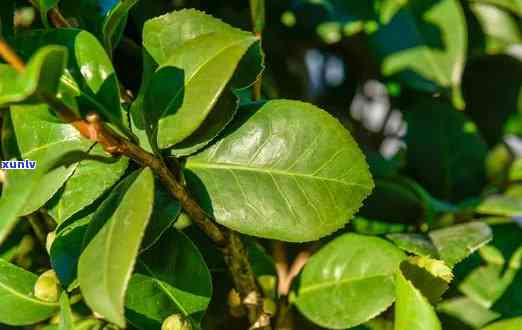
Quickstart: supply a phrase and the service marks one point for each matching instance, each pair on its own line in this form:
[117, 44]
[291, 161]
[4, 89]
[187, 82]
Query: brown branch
[228, 241]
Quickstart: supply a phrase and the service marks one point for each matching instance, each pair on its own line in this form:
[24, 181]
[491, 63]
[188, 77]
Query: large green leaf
[40, 135]
[179, 282]
[424, 44]
[92, 177]
[114, 237]
[349, 281]
[184, 90]
[412, 309]
[90, 83]
[467, 311]
[284, 170]
[18, 306]
[445, 152]
[40, 77]
[511, 324]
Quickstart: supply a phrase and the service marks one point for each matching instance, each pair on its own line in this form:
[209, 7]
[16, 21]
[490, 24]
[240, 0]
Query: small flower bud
[176, 322]
[47, 287]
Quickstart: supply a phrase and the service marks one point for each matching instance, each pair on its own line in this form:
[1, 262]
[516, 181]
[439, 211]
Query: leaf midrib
[238, 167]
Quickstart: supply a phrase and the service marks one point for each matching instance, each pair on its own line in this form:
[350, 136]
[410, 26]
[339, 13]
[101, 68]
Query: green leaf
[284, 170]
[467, 311]
[511, 324]
[500, 28]
[40, 77]
[495, 109]
[93, 176]
[185, 88]
[508, 204]
[114, 237]
[430, 276]
[412, 309]
[417, 244]
[66, 317]
[349, 281]
[165, 212]
[90, 80]
[115, 22]
[220, 116]
[41, 136]
[18, 306]
[388, 9]
[68, 246]
[445, 153]
[457, 242]
[514, 6]
[424, 44]
[486, 284]
[44, 7]
[154, 293]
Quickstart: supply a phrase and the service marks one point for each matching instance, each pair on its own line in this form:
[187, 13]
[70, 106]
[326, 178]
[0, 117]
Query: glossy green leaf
[496, 108]
[154, 293]
[220, 116]
[511, 324]
[115, 22]
[457, 242]
[18, 306]
[40, 77]
[349, 281]
[93, 176]
[165, 212]
[515, 172]
[445, 152]
[66, 317]
[114, 237]
[91, 80]
[412, 309]
[424, 44]
[40, 135]
[44, 7]
[285, 170]
[186, 87]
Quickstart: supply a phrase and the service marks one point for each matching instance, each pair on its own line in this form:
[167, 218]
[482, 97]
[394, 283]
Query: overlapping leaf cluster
[436, 243]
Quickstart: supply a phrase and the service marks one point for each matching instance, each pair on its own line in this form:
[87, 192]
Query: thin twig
[228, 241]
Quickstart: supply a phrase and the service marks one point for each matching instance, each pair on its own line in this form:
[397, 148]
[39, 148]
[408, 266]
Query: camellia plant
[160, 171]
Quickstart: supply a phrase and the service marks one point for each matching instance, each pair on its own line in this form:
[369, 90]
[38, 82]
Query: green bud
[47, 287]
[176, 322]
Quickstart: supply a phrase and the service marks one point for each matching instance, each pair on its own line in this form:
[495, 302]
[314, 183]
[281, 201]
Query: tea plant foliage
[305, 202]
